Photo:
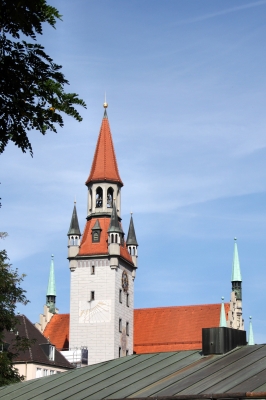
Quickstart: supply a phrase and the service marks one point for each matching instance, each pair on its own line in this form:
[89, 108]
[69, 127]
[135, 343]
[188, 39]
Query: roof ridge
[184, 306]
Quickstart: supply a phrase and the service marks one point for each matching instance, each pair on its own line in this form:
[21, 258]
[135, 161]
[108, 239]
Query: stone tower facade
[235, 315]
[102, 268]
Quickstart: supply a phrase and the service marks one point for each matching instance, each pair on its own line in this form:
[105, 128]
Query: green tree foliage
[11, 293]
[32, 94]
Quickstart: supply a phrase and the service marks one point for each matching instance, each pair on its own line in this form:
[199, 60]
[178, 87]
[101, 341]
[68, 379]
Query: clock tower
[102, 268]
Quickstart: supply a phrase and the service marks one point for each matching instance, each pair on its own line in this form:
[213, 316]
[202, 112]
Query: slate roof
[156, 375]
[35, 354]
[104, 166]
[90, 248]
[155, 329]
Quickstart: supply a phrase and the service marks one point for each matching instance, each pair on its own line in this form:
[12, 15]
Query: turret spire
[114, 226]
[51, 290]
[131, 236]
[223, 323]
[250, 334]
[74, 224]
[236, 273]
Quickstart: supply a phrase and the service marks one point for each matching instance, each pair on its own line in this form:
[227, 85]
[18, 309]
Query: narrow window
[45, 372]
[120, 325]
[127, 328]
[112, 238]
[51, 352]
[126, 352]
[38, 372]
[120, 295]
[129, 250]
[119, 352]
[92, 270]
[92, 296]
[115, 238]
[110, 197]
[99, 197]
[72, 241]
[127, 299]
[133, 251]
[95, 237]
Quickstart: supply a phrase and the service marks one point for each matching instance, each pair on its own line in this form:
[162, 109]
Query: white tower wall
[95, 323]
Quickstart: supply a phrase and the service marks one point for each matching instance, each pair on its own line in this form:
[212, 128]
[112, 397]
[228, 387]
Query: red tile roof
[87, 247]
[156, 329]
[104, 166]
[173, 328]
[57, 330]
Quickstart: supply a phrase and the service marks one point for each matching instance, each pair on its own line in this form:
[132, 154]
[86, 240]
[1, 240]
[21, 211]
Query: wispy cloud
[223, 12]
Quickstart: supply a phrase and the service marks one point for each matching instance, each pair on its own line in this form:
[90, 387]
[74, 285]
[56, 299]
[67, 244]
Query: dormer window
[95, 237]
[51, 352]
[96, 232]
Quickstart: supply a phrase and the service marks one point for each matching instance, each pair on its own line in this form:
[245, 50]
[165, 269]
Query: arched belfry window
[110, 197]
[99, 197]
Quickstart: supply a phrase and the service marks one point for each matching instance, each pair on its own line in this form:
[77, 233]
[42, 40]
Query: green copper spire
[223, 323]
[51, 291]
[236, 273]
[51, 284]
[250, 334]
[131, 236]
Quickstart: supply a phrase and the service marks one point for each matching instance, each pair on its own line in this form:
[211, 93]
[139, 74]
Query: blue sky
[185, 83]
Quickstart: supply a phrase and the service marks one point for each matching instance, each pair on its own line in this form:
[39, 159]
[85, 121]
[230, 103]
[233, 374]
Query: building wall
[95, 323]
[29, 370]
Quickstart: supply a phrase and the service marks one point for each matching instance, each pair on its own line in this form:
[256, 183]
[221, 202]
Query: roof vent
[221, 340]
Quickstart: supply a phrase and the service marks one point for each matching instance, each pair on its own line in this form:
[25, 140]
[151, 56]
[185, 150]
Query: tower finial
[105, 104]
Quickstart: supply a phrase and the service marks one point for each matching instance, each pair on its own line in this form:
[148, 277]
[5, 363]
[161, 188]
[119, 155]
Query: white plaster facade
[31, 370]
[45, 318]
[95, 323]
[235, 318]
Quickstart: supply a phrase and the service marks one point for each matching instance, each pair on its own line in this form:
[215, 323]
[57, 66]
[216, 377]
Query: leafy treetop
[32, 86]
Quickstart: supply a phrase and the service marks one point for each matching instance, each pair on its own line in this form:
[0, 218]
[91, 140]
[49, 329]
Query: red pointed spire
[104, 166]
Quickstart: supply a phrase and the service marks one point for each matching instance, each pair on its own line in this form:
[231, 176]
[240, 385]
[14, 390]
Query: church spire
[236, 273]
[104, 166]
[74, 224]
[236, 278]
[51, 290]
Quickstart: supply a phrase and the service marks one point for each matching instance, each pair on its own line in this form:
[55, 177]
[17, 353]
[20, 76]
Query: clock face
[124, 281]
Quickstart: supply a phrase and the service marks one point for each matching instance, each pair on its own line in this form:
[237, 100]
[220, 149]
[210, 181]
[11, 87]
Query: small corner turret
[235, 319]
[132, 244]
[73, 235]
[115, 238]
